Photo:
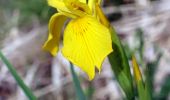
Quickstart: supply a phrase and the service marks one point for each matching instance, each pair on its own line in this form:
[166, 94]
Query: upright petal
[61, 7]
[101, 16]
[58, 4]
[99, 2]
[92, 3]
[78, 8]
[83, 1]
[55, 26]
[86, 44]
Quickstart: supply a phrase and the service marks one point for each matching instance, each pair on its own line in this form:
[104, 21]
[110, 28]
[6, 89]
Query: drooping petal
[55, 26]
[86, 44]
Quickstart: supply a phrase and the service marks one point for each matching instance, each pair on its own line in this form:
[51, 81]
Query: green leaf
[79, 91]
[120, 66]
[148, 85]
[18, 79]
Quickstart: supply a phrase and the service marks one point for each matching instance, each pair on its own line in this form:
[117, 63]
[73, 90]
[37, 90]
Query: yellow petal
[86, 44]
[61, 7]
[92, 3]
[83, 1]
[78, 8]
[58, 4]
[101, 16]
[136, 70]
[99, 2]
[55, 26]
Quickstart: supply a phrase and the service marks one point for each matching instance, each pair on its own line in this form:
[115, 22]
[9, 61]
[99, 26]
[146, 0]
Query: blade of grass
[18, 79]
[79, 91]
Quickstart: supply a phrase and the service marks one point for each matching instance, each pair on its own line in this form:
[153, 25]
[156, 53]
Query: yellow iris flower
[86, 41]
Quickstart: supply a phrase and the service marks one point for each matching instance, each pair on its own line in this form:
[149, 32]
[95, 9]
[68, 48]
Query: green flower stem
[18, 79]
[120, 66]
[79, 91]
[118, 59]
